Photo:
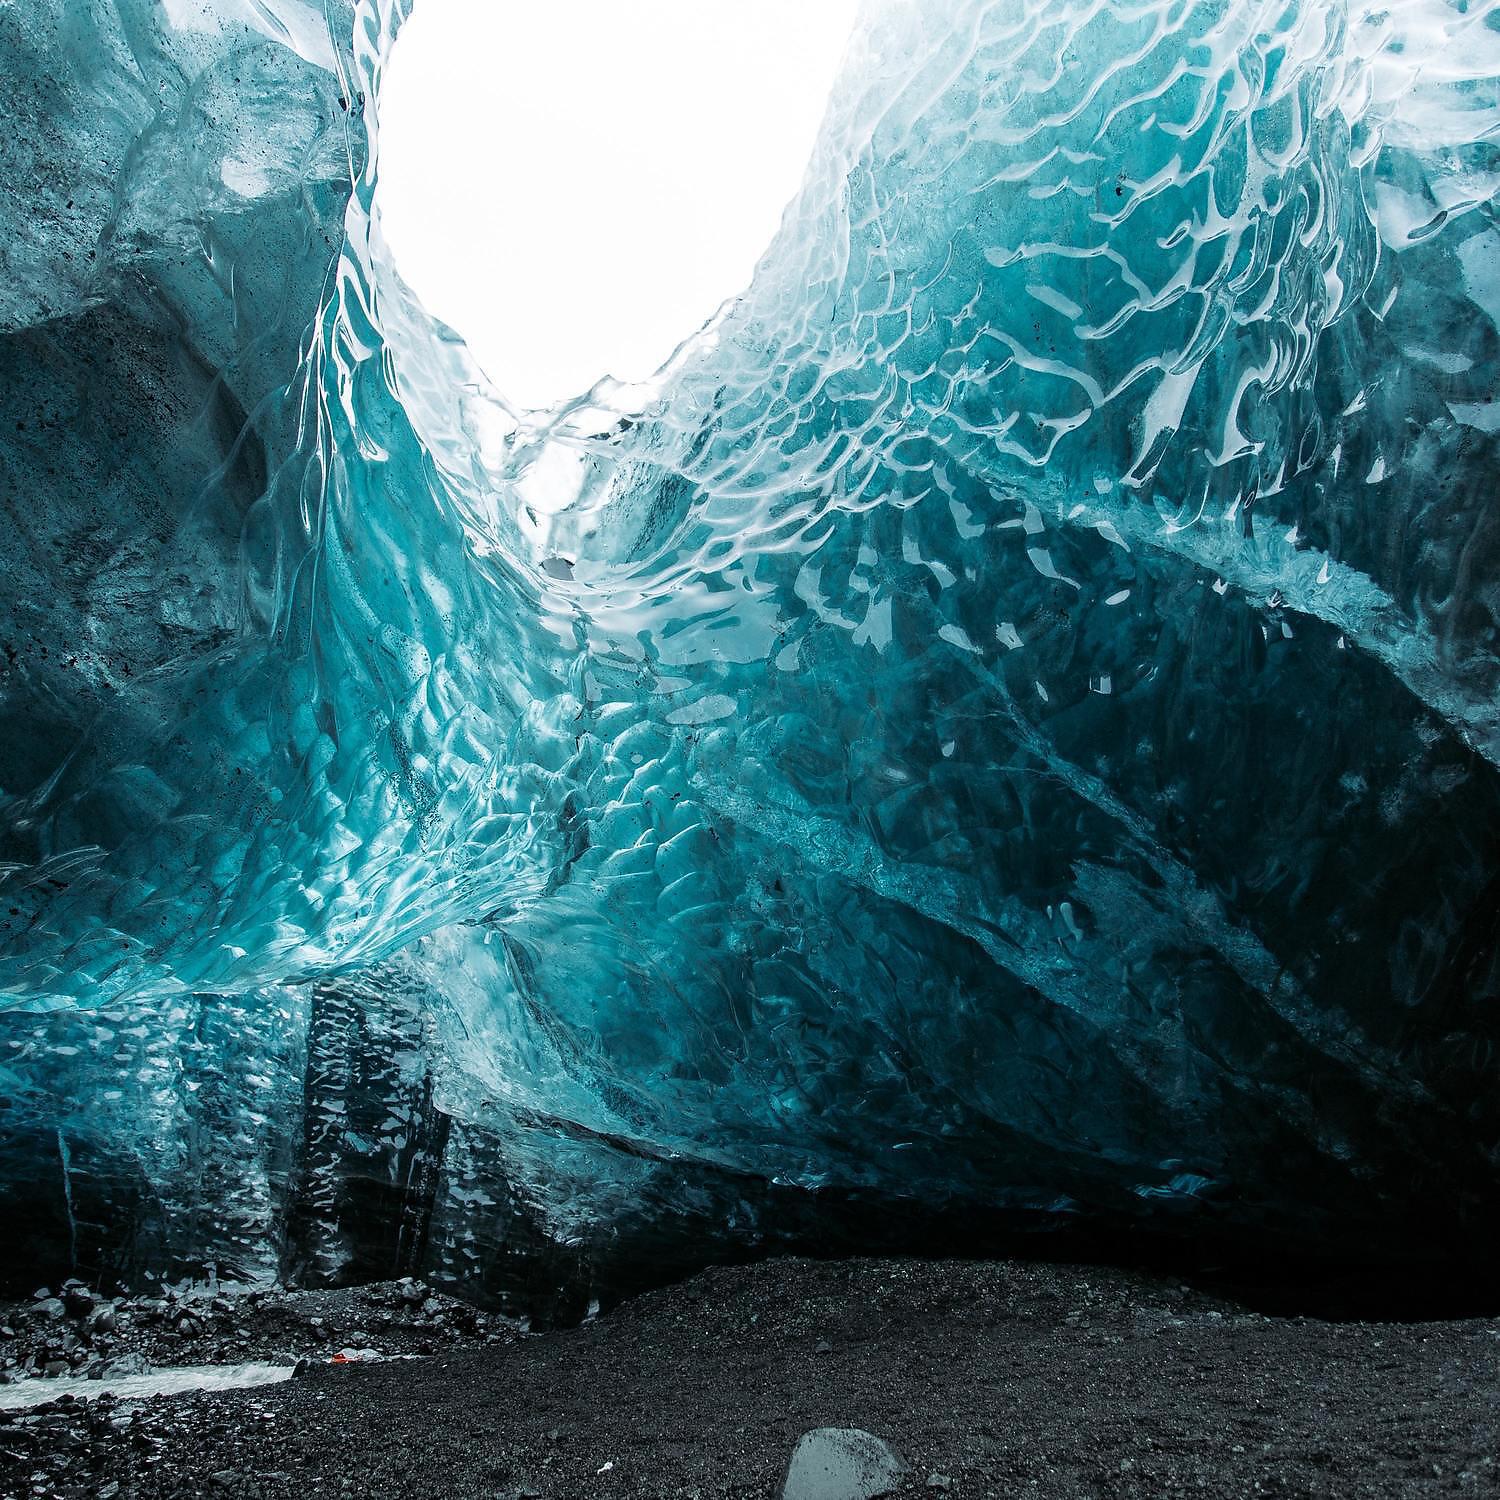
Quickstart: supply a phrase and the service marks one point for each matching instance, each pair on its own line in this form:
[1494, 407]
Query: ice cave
[990, 725]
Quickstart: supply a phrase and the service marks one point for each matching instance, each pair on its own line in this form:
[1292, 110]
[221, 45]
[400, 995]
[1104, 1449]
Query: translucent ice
[1008, 716]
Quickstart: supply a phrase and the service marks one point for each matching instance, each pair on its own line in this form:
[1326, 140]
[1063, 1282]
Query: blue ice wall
[1008, 717]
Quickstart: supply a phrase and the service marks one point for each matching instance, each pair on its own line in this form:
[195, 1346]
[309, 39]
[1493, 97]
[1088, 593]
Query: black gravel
[994, 1379]
[78, 1333]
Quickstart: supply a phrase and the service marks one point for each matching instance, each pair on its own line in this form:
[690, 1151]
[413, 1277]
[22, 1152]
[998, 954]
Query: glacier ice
[1007, 718]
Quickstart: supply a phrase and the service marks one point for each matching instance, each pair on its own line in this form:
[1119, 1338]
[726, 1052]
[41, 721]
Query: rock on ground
[841, 1463]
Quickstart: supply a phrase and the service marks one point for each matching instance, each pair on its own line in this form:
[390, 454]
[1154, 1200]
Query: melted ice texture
[1009, 714]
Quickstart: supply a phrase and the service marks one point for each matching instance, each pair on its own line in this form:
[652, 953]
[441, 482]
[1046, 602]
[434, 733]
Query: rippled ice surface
[1008, 717]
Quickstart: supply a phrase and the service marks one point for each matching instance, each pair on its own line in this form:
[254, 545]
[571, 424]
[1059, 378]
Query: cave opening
[576, 188]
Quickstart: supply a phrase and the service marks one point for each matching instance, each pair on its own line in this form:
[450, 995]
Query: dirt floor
[988, 1379]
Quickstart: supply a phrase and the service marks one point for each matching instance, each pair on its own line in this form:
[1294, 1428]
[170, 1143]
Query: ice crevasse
[1007, 718]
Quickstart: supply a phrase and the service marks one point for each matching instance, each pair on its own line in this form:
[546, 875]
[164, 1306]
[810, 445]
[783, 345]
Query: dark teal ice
[1010, 719]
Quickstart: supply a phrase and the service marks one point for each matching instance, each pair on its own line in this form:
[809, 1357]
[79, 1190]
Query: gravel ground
[76, 1332]
[989, 1379]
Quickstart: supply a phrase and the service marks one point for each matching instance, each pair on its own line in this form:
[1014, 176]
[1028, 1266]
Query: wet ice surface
[138, 1387]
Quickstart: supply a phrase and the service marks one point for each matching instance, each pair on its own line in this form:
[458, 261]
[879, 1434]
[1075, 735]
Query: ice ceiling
[1011, 721]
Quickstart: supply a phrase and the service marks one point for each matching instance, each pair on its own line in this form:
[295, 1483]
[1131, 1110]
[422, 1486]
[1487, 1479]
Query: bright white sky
[576, 185]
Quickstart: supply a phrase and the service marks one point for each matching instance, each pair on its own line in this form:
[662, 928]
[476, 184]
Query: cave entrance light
[576, 186]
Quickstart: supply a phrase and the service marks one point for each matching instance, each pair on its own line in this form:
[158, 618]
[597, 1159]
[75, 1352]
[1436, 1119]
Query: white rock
[841, 1463]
